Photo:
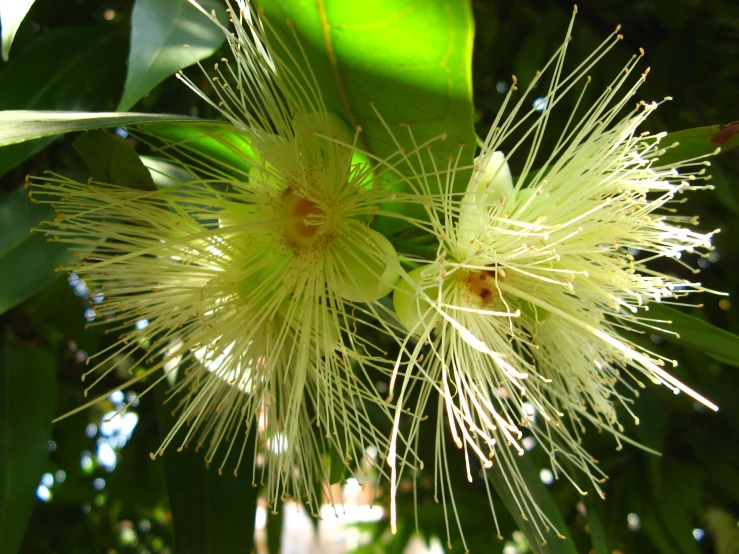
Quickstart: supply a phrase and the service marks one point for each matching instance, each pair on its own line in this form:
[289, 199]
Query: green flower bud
[367, 274]
[412, 310]
[316, 151]
[491, 181]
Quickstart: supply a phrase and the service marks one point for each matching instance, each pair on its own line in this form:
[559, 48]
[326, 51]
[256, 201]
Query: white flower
[253, 284]
[518, 319]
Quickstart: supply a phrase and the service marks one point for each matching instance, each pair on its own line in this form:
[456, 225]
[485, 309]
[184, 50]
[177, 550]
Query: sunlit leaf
[27, 402]
[409, 61]
[159, 30]
[12, 13]
[204, 145]
[166, 174]
[19, 126]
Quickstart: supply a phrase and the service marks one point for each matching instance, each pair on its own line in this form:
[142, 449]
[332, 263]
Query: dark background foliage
[72, 55]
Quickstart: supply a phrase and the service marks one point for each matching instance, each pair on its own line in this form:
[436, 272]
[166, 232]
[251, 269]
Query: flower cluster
[265, 286]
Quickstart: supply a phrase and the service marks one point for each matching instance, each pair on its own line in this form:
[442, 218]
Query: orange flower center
[303, 219]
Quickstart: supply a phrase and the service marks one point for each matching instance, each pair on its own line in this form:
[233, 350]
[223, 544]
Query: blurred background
[101, 493]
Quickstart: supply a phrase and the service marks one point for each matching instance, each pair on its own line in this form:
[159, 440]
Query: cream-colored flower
[252, 284]
[519, 317]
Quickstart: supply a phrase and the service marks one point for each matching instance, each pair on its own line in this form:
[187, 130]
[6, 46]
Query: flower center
[303, 218]
[479, 287]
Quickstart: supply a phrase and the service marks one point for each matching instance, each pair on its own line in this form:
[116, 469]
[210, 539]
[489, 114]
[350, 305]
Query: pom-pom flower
[517, 322]
[252, 283]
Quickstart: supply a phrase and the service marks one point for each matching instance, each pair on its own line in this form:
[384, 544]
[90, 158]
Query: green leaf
[72, 68]
[14, 154]
[12, 13]
[274, 532]
[542, 497]
[337, 467]
[651, 431]
[696, 333]
[57, 311]
[159, 29]
[721, 467]
[667, 520]
[112, 160]
[165, 174]
[213, 147]
[21, 125]
[211, 513]
[27, 260]
[700, 141]
[27, 402]
[723, 187]
[596, 527]
[411, 60]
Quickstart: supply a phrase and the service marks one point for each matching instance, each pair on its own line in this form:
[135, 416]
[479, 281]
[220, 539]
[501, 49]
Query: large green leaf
[12, 13]
[159, 29]
[27, 260]
[541, 496]
[71, 68]
[211, 513]
[411, 60]
[696, 333]
[19, 126]
[27, 401]
[700, 141]
[112, 160]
